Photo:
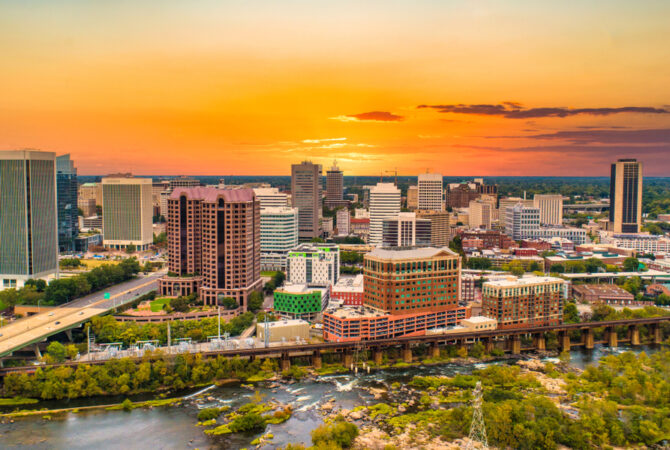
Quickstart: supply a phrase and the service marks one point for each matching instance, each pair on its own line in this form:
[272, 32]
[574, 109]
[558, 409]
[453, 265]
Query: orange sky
[220, 88]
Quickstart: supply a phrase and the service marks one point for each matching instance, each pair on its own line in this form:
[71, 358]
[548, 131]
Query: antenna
[477, 428]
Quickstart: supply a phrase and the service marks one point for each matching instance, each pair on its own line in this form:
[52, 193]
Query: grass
[268, 273]
[17, 401]
[157, 305]
[93, 263]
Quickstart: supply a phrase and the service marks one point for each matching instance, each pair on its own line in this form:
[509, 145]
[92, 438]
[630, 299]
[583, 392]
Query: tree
[340, 432]
[160, 239]
[631, 265]
[180, 304]
[535, 267]
[228, 303]
[557, 268]
[57, 351]
[570, 313]
[516, 268]
[255, 301]
[131, 248]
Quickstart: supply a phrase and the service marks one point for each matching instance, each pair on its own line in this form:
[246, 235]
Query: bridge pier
[657, 336]
[407, 353]
[587, 338]
[68, 333]
[285, 362]
[36, 348]
[612, 339]
[490, 345]
[435, 350]
[634, 333]
[564, 340]
[377, 355]
[347, 359]
[316, 359]
[515, 344]
[539, 341]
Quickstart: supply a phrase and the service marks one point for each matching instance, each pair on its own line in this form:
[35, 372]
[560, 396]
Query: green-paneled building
[297, 301]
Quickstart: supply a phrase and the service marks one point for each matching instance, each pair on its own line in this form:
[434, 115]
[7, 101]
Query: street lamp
[38, 305]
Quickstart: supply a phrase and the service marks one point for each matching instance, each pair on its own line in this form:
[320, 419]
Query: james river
[174, 426]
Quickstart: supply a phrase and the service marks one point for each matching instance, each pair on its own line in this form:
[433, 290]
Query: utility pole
[168, 338]
[219, 311]
[477, 428]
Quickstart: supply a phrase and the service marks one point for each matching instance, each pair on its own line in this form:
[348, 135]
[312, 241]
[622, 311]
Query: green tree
[255, 301]
[570, 313]
[557, 268]
[131, 248]
[57, 351]
[631, 265]
[339, 432]
[228, 302]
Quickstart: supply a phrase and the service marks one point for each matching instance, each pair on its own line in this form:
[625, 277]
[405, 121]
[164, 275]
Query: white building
[430, 194]
[384, 204]
[361, 213]
[551, 208]
[279, 234]
[343, 221]
[481, 214]
[523, 222]
[643, 243]
[127, 212]
[271, 197]
[314, 264]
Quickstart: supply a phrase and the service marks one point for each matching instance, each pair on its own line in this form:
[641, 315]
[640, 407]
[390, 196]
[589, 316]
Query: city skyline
[206, 88]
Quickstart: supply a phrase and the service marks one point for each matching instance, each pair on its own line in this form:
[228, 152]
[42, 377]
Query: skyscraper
[335, 187]
[430, 192]
[626, 196]
[279, 234]
[405, 230]
[28, 217]
[68, 217]
[306, 196]
[551, 208]
[481, 214]
[271, 197]
[213, 244]
[384, 204]
[127, 212]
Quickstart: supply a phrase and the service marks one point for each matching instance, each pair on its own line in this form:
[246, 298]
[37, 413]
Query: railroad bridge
[510, 340]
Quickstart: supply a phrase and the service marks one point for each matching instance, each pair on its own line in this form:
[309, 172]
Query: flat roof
[284, 323]
[480, 319]
[410, 252]
[356, 312]
[526, 281]
[602, 289]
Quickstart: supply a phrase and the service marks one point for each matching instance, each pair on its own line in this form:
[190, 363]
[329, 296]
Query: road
[36, 328]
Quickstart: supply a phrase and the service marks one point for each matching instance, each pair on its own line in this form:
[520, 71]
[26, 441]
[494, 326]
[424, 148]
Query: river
[173, 427]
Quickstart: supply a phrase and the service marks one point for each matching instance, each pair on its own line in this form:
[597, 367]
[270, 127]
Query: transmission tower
[477, 428]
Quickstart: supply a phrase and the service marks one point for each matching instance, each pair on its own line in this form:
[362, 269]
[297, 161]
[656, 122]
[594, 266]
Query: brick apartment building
[524, 302]
[490, 238]
[407, 291]
[213, 244]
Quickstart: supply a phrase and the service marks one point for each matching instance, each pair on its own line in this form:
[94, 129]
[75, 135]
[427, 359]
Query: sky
[249, 87]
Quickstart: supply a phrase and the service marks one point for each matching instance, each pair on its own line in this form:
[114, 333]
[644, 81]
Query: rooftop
[400, 253]
[356, 312]
[350, 284]
[607, 290]
[285, 323]
[210, 194]
[525, 281]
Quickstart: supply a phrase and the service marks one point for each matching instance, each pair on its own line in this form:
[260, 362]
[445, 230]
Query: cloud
[513, 110]
[631, 137]
[372, 116]
[318, 141]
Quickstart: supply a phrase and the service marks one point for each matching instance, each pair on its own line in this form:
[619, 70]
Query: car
[81, 313]
[51, 314]
[58, 322]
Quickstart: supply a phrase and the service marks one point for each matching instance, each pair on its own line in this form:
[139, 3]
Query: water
[174, 427]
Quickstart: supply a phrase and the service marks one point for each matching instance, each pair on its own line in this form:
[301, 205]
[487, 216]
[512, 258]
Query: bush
[250, 421]
[208, 414]
[340, 433]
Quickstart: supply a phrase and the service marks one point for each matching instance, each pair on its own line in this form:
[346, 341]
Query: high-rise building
[314, 264]
[28, 217]
[279, 234]
[459, 195]
[405, 230]
[93, 191]
[430, 192]
[127, 212]
[184, 182]
[481, 214]
[384, 204]
[551, 208]
[343, 221]
[506, 202]
[213, 244]
[521, 222]
[306, 196]
[524, 302]
[626, 196]
[412, 197]
[271, 197]
[68, 214]
[440, 226]
[335, 188]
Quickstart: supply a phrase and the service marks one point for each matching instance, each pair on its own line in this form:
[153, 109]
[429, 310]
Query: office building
[306, 196]
[68, 213]
[213, 244]
[335, 188]
[481, 214]
[87, 207]
[279, 234]
[522, 222]
[28, 217]
[489, 239]
[283, 331]
[524, 302]
[459, 195]
[360, 228]
[183, 182]
[440, 226]
[384, 204]
[127, 212]
[299, 301]
[551, 208]
[327, 226]
[407, 293]
[314, 264]
[270, 197]
[430, 193]
[405, 230]
[91, 191]
[343, 220]
[626, 196]
[90, 223]
[506, 202]
[412, 200]
[349, 290]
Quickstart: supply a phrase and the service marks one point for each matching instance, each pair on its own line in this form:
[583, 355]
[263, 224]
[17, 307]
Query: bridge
[596, 207]
[30, 331]
[509, 340]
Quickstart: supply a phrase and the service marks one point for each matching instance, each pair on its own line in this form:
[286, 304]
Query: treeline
[64, 290]
[124, 376]
[107, 329]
